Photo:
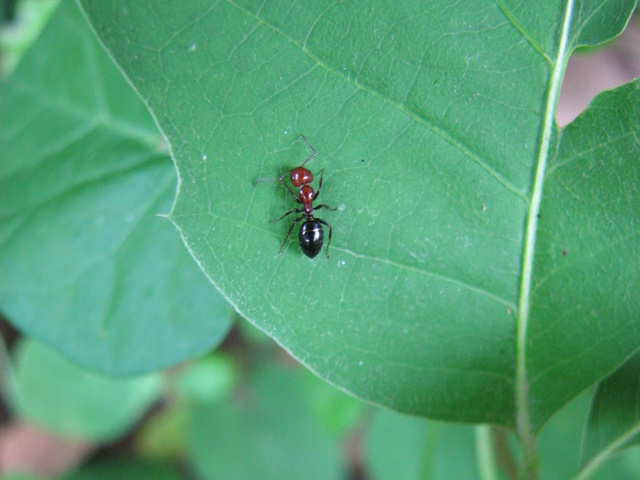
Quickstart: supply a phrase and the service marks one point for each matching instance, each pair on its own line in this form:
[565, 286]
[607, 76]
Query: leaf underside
[86, 264]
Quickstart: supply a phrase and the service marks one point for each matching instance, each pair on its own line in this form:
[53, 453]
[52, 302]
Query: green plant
[484, 265]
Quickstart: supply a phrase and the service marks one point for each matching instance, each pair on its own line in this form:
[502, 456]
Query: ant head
[300, 176]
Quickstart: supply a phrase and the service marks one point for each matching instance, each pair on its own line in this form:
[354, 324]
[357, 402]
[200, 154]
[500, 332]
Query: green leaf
[337, 412]
[559, 442]
[18, 33]
[399, 446]
[623, 466]
[614, 418]
[164, 436]
[56, 394]
[585, 310]
[119, 469]
[434, 125]
[208, 379]
[268, 432]
[86, 265]
[21, 476]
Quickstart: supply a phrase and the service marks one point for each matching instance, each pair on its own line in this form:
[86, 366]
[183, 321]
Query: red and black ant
[311, 236]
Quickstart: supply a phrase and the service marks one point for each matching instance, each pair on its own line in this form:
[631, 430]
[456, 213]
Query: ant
[311, 236]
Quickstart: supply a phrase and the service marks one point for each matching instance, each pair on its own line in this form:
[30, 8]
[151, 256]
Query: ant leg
[317, 194]
[279, 180]
[295, 210]
[290, 229]
[330, 229]
[318, 207]
[292, 192]
[314, 150]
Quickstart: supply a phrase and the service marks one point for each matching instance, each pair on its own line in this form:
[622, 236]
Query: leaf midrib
[523, 414]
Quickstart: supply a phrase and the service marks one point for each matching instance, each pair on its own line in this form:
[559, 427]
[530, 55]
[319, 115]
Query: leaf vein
[523, 32]
[413, 115]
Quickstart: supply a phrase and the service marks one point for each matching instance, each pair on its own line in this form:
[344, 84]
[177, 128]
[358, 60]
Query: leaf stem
[485, 454]
[529, 468]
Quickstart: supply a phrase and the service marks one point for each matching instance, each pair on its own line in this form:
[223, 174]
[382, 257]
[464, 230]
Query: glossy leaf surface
[448, 293]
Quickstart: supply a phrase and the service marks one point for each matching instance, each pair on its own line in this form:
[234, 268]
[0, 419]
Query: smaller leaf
[559, 441]
[623, 466]
[208, 380]
[586, 282]
[116, 470]
[56, 394]
[164, 435]
[597, 22]
[614, 420]
[399, 446]
[336, 411]
[269, 434]
[17, 35]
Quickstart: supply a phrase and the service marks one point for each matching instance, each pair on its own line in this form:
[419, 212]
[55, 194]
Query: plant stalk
[529, 469]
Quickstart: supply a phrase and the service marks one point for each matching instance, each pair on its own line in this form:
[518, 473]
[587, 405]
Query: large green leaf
[86, 265]
[448, 292]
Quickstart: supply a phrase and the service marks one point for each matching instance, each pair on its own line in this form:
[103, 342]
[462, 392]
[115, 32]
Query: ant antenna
[311, 147]
[278, 180]
[265, 179]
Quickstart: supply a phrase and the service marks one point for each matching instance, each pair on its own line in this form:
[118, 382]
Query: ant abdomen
[311, 238]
